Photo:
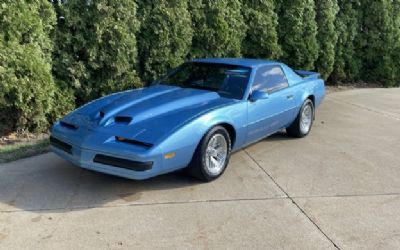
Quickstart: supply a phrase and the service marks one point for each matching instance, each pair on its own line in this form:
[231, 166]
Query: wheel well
[312, 98]
[231, 130]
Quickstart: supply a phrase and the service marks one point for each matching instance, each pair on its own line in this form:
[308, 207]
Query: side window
[270, 79]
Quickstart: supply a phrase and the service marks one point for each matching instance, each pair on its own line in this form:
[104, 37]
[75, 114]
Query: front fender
[184, 141]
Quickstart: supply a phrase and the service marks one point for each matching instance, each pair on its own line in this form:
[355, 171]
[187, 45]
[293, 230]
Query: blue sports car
[194, 117]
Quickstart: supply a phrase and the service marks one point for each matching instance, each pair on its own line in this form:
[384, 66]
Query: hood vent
[101, 114]
[67, 125]
[134, 142]
[123, 119]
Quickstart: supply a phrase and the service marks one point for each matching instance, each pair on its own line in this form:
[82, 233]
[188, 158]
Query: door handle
[290, 97]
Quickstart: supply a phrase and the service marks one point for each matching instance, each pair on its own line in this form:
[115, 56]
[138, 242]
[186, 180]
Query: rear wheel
[301, 127]
[212, 155]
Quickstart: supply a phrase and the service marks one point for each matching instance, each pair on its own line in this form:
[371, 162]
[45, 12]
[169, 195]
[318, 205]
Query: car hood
[147, 114]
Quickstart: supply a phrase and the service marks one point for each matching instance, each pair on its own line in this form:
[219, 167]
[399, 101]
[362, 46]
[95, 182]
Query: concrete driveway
[338, 188]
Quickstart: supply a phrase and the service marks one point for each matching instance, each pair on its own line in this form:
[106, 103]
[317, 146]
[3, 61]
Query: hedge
[379, 40]
[261, 40]
[347, 64]
[26, 84]
[219, 28]
[96, 48]
[165, 36]
[60, 54]
[327, 35]
[298, 33]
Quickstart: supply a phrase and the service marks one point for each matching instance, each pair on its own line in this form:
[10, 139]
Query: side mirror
[258, 95]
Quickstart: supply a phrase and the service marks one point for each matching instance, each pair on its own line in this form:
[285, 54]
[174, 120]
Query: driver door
[268, 115]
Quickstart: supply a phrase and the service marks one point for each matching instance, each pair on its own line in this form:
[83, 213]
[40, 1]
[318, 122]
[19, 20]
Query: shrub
[377, 42]
[219, 28]
[347, 65]
[261, 39]
[26, 84]
[326, 36]
[298, 33]
[165, 36]
[96, 47]
[93, 51]
[396, 41]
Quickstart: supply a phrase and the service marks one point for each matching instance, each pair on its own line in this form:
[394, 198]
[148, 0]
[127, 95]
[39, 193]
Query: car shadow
[47, 183]
[279, 136]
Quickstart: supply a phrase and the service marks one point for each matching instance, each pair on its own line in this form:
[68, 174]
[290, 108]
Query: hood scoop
[123, 119]
[119, 120]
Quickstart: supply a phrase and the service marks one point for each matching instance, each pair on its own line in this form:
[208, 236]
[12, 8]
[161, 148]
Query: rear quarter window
[270, 79]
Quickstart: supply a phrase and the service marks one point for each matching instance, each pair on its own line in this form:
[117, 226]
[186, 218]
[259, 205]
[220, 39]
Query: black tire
[197, 167]
[295, 128]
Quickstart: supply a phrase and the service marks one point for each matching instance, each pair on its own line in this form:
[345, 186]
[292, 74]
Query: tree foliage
[327, 35]
[261, 39]
[395, 15]
[165, 36]
[377, 41]
[347, 65]
[26, 84]
[219, 28]
[96, 47]
[56, 56]
[298, 33]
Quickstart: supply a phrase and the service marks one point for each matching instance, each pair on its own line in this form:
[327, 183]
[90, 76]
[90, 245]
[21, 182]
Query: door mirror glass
[258, 95]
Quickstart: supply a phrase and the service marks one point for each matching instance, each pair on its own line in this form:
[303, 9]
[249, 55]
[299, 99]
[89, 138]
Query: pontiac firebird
[193, 117]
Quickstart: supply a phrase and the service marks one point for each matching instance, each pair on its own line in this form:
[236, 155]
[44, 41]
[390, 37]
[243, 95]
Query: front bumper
[134, 167]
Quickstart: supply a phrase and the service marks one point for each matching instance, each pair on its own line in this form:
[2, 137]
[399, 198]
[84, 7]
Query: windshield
[229, 81]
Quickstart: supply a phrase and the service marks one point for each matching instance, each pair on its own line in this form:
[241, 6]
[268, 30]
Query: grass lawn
[22, 150]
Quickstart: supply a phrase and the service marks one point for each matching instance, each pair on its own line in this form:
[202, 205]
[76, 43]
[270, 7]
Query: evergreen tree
[327, 35]
[261, 38]
[26, 84]
[96, 47]
[298, 33]
[347, 65]
[376, 43]
[219, 28]
[165, 36]
[396, 41]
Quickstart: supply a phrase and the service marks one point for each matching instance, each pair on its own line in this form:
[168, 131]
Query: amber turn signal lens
[170, 155]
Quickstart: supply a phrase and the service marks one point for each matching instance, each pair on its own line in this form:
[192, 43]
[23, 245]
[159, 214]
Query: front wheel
[212, 155]
[301, 127]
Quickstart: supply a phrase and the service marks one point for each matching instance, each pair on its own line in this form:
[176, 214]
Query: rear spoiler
[308, 74]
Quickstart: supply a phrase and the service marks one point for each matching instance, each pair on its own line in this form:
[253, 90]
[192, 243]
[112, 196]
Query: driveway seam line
[292, 200]
[77, 208]
[194, 202]
[345, 196]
